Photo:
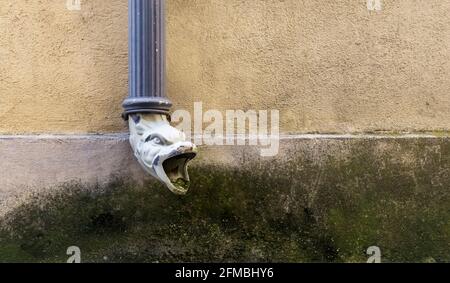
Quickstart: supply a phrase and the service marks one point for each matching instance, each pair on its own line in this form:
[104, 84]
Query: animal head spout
[162, 150]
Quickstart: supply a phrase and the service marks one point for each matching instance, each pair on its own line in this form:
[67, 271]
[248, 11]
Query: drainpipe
[161, 149]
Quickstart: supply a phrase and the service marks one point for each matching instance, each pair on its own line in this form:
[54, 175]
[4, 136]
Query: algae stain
[257, 214]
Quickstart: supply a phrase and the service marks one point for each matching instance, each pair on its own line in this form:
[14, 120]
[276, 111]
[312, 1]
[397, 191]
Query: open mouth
[176, 170]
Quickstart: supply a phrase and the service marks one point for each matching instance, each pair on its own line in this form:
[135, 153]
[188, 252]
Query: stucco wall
[328, 66]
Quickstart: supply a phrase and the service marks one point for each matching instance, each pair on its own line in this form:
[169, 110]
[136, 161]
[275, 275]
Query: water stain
[274, 211]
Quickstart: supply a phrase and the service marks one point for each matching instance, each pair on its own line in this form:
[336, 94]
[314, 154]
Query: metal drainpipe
[147, 64]
[161, 149]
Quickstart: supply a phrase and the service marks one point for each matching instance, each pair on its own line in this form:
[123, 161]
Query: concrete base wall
[321, 199]
[39, 162]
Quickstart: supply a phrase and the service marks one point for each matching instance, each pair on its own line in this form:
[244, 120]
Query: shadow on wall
[279, 212]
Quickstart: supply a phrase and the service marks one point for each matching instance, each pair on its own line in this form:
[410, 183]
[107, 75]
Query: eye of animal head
[155, 139]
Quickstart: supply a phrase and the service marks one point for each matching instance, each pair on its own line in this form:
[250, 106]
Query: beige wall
[328, 66]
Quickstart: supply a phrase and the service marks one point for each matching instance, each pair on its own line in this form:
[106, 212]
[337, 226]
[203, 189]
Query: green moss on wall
[295, 210]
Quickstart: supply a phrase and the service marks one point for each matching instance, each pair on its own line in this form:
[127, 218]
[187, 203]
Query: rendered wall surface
[68, 175]
[328, 66]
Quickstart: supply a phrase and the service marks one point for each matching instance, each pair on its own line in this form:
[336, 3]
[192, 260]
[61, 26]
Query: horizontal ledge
[116, 136]
[125, 136]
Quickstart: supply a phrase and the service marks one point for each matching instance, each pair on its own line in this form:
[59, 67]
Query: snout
[171, 166]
